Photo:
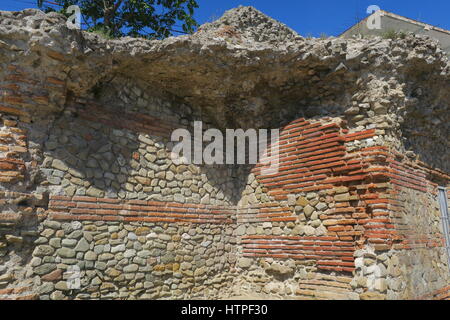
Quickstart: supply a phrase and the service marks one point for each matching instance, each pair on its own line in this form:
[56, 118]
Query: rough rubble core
[88, 190]
[248, 25]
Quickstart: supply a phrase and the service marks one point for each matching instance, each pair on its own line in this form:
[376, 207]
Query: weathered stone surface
[44, 269]
[88, 147]
[95, 192]
[82, 245]
[245, 263]
[43, 250]
[58, 164]
[131, 268]
[13, 239]
[53, 276]
[66, 253]
[308, 210]
[279, 270]
[372, 296]
[90, 256]
[302, 201]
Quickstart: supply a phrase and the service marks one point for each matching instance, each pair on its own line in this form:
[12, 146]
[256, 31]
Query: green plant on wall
[155, 19]
[393, 34]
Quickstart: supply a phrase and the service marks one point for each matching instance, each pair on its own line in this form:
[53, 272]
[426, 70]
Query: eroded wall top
[247, 70]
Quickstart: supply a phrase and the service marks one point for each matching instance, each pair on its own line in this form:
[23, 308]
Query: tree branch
[117, 5]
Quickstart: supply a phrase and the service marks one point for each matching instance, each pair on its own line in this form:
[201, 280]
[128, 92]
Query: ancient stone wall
[87, 183]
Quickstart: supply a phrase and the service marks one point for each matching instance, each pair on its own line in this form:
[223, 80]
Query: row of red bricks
[423, 168]
[11, 170]
[330, 265]
[319, 146]
[17, 76]
[441, 294]
[336, 172]
[320, 184]
[131, 202]
[19, 293]
[13, 144]
[295, 240]
[300, 141]
[320, 254]
[264, 212]
[373, 211]
[132, 121]
[323, 132]
[304, 139]
[323, 285]
[10, 291]
[330, 253]
[89, 208]
[414, 175]
[17, 87]
[301, 125]
[408, 176]
[84, 207]
[361, 218]
[406, 170]
[326, 166]
[267, 207]
[69, 217]
[258, 218]
[324, 250]
[296, 147]
[126, 208]
[12, 164]
[290, 172]
[33, 296]
[398, 185]
[303, 128]
[293, 167]
[290, 238]
[405, 176]
[284, 218]
[288, 160]
[13, 111]
[338, 164]
[319, 152]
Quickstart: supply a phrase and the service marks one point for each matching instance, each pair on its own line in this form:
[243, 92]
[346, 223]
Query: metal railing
[445, 218]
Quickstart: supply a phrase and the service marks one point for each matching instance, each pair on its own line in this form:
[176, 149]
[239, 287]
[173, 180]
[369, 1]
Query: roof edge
[402, 18]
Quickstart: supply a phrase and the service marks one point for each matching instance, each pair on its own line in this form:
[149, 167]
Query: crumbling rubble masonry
[87, 182]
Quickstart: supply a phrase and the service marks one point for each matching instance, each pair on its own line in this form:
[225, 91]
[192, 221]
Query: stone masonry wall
[88, 190]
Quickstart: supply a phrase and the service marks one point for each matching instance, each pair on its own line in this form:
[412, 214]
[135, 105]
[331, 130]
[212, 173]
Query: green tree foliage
[155, 19]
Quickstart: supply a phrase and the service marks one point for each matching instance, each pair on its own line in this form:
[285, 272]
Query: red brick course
[98, 209]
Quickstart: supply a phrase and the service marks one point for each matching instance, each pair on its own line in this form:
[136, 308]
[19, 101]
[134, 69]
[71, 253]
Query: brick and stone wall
[87, 181]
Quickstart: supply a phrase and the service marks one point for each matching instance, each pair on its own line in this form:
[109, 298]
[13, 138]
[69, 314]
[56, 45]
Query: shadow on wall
[426, 119]
[88, 158]
[115, 149]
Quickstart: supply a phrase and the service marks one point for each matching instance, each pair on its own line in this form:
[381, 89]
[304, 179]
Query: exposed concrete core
[88, 190]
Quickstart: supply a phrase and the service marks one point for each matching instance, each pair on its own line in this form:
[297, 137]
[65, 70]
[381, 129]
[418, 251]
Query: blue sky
[313, 18]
